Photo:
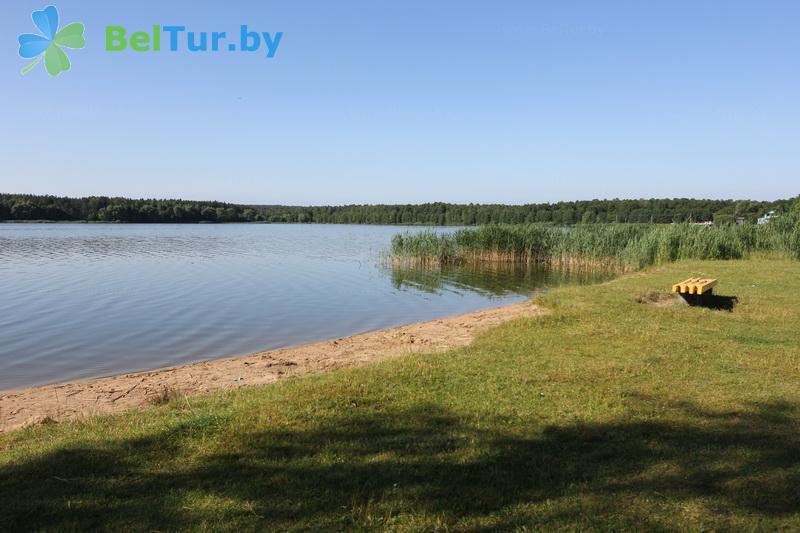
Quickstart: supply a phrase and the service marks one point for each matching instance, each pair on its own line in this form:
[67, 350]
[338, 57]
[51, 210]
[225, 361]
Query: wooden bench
[698, 286]
[695, 291]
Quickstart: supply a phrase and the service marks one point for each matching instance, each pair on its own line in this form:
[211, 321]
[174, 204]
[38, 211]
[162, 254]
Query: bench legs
[694, 299]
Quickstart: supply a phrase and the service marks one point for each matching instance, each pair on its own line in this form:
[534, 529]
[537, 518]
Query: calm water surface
[81, 300]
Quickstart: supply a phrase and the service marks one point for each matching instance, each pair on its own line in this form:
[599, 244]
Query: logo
[178, 38]
[49, 45]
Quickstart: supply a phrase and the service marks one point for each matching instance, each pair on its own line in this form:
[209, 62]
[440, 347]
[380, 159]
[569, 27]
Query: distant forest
[15, 207]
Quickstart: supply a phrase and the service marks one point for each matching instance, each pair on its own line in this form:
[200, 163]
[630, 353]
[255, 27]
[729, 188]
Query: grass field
[609, 413]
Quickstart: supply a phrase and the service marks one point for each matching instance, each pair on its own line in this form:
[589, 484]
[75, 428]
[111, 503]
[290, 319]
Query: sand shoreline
[113, 394]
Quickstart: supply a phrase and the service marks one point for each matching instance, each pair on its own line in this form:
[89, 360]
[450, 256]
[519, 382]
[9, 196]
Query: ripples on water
[82, 300]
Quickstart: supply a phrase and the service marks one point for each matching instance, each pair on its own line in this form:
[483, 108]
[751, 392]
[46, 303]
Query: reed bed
[614, 247]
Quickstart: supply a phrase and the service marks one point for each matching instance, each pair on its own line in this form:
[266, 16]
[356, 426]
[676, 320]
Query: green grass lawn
[606, 414]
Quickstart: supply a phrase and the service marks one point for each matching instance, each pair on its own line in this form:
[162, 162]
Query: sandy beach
[76, 400]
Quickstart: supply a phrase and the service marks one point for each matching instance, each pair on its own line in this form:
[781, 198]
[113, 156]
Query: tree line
[17, 207]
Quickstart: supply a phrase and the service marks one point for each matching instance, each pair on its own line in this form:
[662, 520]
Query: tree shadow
[357, 469]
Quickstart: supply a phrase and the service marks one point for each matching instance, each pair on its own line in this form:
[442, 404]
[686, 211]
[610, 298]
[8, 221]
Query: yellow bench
[695, 286]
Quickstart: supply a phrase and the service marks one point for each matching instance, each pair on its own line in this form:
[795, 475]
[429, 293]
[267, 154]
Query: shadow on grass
[357, 470]
[712, 301]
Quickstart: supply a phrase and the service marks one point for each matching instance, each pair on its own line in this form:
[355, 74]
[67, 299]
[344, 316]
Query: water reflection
[490, 280]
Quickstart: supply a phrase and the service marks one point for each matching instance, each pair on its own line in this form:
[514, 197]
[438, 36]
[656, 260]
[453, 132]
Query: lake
[87, 300]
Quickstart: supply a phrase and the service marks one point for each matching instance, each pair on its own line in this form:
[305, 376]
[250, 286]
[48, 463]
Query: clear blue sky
[414, 101]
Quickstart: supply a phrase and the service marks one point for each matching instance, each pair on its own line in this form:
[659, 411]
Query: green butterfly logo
[48, 45]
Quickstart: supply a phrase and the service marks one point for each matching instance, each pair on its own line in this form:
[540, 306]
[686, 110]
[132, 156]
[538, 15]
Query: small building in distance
[767, 217]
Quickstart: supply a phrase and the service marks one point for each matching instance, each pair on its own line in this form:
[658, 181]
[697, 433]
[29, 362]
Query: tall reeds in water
[617, 247]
